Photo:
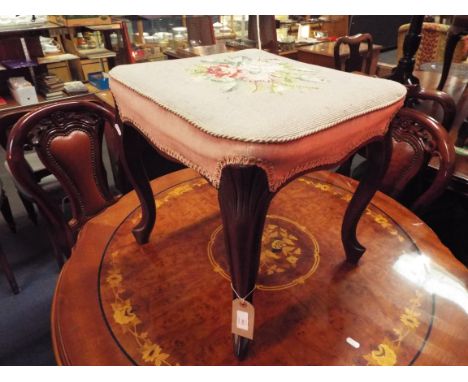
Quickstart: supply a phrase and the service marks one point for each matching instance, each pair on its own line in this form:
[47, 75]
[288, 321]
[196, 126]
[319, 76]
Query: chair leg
[57, 246]
[452, 40]
[345, 168]
[378, 157]
[6, 211]
[244, 198]
[462, 134]
[29, 206]
[8, 272]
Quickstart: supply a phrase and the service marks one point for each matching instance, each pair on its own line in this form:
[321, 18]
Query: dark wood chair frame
[244, 198]
[200, 29]
[40, 129]
[444, 100]
[6, 123]
[267, 32]
[355, 61]
[427, 138]
[457, 30]
[4, 264]
[461, 119]
[424, 138]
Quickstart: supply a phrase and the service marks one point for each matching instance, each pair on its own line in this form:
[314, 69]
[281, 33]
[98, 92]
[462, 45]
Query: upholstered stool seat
[252, 107]
[250, 122]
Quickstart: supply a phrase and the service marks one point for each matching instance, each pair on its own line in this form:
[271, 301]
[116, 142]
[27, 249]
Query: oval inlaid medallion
[289, 254]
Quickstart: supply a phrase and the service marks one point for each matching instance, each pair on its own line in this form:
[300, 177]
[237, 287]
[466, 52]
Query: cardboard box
[25, 96]
[80, 20]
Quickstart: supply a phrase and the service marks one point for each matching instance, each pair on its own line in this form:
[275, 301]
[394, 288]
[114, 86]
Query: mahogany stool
[250, 122]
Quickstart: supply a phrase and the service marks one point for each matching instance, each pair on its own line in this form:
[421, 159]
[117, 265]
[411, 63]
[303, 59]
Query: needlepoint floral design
[272, 75]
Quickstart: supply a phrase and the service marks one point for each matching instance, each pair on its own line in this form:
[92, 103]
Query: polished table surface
[168, 302]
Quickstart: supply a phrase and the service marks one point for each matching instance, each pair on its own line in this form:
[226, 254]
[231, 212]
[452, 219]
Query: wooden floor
[169, 302]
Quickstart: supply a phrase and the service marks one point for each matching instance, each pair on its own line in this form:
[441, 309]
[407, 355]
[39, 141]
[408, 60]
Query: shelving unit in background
[21, 42]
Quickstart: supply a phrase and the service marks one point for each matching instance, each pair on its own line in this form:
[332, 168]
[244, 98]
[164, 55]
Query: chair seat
[253, 107]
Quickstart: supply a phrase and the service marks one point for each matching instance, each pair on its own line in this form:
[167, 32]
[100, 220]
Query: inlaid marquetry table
[165, 302]
[250, 122]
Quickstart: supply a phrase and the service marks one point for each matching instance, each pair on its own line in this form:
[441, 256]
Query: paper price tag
[243, 315]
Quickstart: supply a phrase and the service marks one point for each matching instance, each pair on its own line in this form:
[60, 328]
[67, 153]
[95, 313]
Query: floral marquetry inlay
[289, 255]
[129, 322]
[386, 353]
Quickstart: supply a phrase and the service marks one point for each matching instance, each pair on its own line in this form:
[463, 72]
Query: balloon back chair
[416, 138]
[67, 137]
[357, 60]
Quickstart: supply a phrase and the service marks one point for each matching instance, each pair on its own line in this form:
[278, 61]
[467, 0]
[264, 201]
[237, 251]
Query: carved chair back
[356, 60]
[200, 29]
[68, 139]
[437, 100]
[416, 139]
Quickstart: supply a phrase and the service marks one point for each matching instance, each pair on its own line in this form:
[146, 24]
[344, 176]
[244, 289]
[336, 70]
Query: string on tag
[242, 299]
[259, 39]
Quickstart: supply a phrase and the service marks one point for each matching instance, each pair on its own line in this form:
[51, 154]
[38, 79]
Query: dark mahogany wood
[200, 29]
[444, 100]
[8, 272]
[457, 30]
[355, 61]
[462, 137]
[244, 198]
[67, 137]
[403, 73]
[4, 265]
[136, 173]
[267, 31]
[416, 139]
[6, 211]
[378, 154]
[6, 123]
[461, 119]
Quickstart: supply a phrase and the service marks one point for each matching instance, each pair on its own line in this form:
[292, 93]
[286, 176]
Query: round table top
[168, 302]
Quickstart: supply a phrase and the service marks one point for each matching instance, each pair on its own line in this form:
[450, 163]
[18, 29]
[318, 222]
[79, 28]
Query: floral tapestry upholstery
[253, 108]
[432, 46]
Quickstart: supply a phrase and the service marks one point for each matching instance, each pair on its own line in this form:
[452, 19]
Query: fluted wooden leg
[378, 157]
[244, 198]
[132, 146]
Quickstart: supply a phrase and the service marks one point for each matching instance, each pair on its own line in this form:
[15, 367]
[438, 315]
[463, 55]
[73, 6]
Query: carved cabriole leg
[378, 157]
[244, 198]
[132, 147]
